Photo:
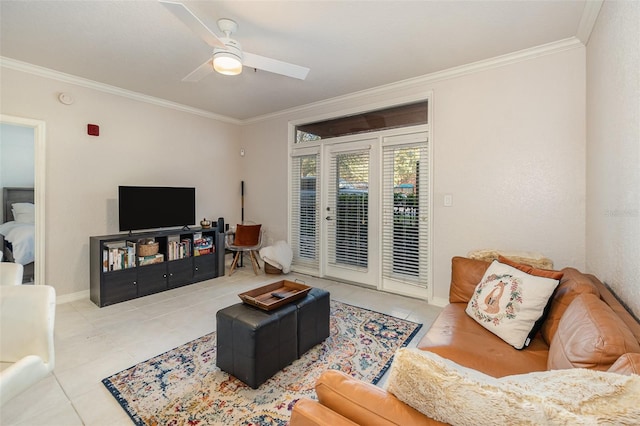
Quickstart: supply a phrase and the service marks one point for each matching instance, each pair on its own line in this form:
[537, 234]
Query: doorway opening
[38, 190]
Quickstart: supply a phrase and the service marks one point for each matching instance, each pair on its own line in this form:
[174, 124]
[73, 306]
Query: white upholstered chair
[11, 273]
[27, 315]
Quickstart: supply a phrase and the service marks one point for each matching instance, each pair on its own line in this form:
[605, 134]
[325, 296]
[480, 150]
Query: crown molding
[106, 88]
[474, 67]
[486, 64]
[588, 19]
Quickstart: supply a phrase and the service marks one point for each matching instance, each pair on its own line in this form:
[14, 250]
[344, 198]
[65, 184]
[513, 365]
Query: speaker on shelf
[221, 224]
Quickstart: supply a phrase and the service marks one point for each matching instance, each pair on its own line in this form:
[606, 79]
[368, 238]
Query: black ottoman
[253, 344]
[313, 319]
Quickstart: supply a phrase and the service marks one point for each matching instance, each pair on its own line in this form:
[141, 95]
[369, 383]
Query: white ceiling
[349, 45]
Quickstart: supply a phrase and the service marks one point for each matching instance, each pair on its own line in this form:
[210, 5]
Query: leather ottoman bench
[313, 319]
[253, 344]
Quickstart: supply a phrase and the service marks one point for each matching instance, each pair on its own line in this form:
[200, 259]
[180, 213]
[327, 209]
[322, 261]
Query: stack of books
[119, 255]
[178, 249]
[151, 259]
[202, 244]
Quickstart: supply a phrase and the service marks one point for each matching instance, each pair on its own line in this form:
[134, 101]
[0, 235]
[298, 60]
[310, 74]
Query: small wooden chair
[247, 238]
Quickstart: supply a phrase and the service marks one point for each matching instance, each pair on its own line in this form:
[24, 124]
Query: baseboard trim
[439, 302]
[72, 297]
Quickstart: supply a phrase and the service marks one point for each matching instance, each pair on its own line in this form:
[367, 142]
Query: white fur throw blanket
[537, 260]
[450, 393]
[278, 255]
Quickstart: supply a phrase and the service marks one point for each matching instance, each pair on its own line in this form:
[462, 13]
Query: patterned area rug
[184, 387]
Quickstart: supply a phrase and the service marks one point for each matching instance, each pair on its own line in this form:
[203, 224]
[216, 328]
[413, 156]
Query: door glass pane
[305, 211]
[370, 121]
[349, 204]
[405, 213]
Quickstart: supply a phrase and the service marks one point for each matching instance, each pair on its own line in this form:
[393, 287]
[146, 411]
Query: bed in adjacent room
[17, 232]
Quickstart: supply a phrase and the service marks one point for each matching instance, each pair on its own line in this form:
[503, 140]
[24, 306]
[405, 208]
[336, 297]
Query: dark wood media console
[117, 280]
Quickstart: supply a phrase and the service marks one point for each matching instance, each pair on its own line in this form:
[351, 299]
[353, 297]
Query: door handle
[329, 218]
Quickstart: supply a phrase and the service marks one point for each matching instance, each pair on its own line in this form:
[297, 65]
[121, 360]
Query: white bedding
[22, 238]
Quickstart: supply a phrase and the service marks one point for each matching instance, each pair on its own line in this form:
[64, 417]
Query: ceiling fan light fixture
[227, 63]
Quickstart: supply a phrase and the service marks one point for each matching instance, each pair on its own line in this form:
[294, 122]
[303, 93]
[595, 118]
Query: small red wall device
[93, 130]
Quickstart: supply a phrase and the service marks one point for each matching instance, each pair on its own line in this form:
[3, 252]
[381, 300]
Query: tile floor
[93, 343]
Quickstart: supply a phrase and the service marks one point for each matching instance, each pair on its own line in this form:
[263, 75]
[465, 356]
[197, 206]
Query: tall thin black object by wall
[241, 216]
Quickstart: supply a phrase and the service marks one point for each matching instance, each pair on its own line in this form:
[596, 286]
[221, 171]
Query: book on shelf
[186, 247]
[178, 248]
[172, 241]
[118, 255]
[151, 259]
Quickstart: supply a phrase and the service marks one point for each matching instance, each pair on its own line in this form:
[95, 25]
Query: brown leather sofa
[598, 333]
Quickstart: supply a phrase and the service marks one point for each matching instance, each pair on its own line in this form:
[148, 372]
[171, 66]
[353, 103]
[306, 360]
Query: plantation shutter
[348, 202]
[305, 210]
[405, 247]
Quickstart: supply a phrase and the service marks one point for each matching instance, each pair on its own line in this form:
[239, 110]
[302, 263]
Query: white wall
[16, 156]
[264, 170]
[613, 150]
[139, 144]
[508, 144]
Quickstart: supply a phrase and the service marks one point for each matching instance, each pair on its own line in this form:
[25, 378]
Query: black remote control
[280, 295]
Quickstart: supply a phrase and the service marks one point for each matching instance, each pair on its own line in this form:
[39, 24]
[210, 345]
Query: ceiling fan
[228, 57]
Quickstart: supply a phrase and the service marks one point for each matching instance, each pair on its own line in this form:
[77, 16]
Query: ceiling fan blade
[201, 72]
[263, 63]
[183, 13]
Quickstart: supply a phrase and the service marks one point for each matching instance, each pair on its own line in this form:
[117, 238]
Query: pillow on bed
[24, 212]
[23, 207]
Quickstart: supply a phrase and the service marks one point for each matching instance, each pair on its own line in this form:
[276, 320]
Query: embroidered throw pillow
[508, 302]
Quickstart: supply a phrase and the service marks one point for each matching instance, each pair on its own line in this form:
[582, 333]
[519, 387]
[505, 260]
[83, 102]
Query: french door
[360, 211]
[351, 213]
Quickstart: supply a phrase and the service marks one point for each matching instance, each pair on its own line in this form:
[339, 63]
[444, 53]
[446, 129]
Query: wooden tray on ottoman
[262, 297]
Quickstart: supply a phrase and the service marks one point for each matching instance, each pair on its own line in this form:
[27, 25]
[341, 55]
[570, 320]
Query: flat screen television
[150, 207]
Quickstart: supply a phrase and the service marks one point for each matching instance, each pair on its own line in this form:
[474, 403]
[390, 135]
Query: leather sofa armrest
[364, 403]
[627, 364]
[307, 412]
